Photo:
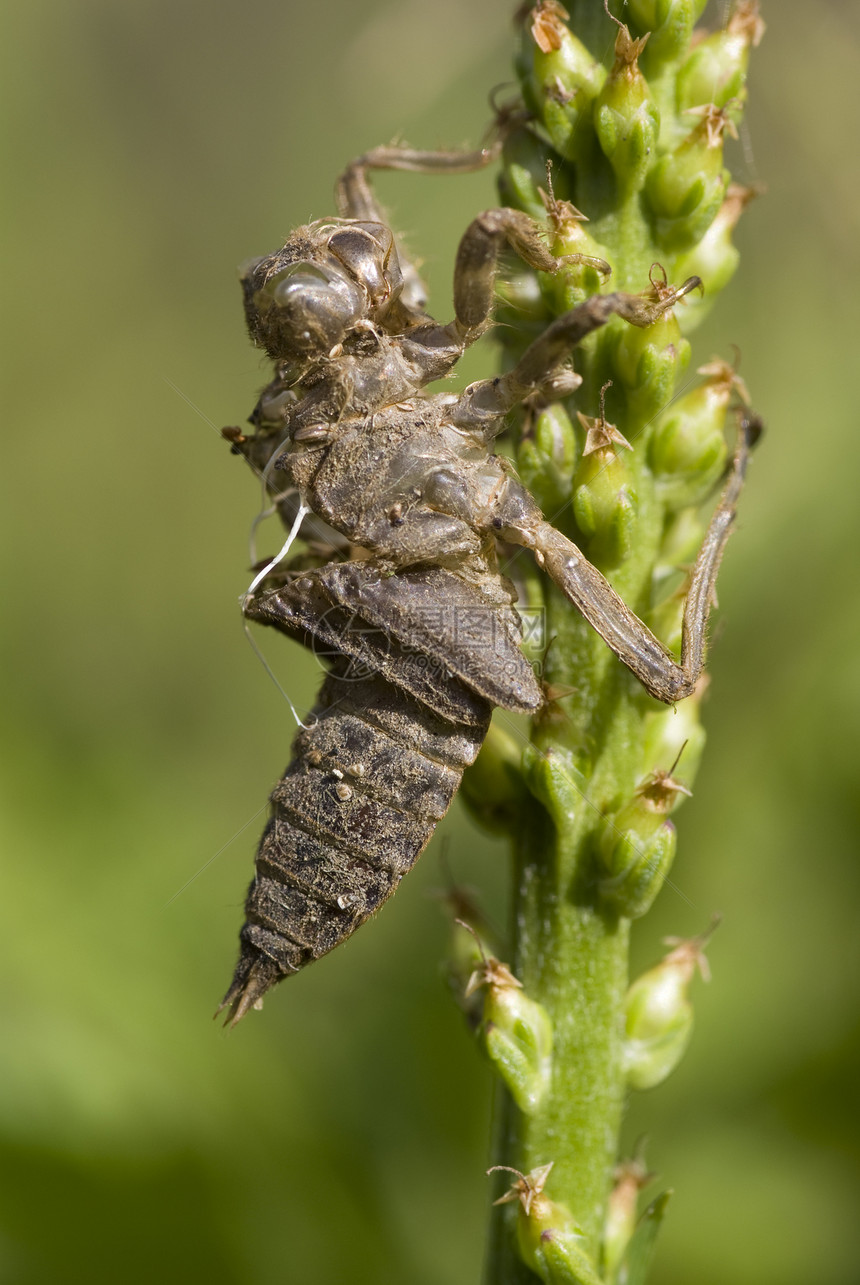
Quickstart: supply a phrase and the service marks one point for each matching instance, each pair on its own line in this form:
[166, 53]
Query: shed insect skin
[421, 628]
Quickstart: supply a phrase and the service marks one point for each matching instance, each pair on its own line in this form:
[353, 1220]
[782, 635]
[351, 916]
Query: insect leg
[483, 404]
[618, 626]
[475, 270]
[357, 200]
[355, 197]
[478, 257]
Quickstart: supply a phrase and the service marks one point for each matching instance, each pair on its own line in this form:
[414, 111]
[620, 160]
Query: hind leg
[631, 640]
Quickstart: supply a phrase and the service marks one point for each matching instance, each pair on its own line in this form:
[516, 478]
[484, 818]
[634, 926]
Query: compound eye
[295, 280]
[367, 252]
[302, 308]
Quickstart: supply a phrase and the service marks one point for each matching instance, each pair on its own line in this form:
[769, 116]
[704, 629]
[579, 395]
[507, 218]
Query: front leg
[483, 405]
[622, 630]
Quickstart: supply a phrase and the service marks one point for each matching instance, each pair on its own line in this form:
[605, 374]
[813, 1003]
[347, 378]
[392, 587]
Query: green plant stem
[570, 952]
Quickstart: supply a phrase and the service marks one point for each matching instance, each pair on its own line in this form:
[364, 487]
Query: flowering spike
[596, 842]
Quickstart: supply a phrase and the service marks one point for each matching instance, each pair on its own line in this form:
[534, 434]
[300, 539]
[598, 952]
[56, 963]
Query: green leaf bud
[715, 71]
[493, 786]
[560, 80]
[659, 1015]
[629, 1179]
[605, 503]
[517, 1033]
[550, 1241]
[546, 458]
[687, 186]
[640, 1254]
[687, 451]
[648, 359]
[714, 258]
[626, 119]
[670, 23]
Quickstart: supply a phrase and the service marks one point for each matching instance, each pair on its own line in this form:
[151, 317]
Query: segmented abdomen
[371, 775]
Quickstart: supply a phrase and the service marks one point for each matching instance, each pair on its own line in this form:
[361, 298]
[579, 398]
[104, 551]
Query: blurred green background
[342, 1136]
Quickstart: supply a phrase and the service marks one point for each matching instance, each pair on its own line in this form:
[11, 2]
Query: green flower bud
[687, 186]
[714, 258]
[550, 1241]
[604, 497]
[637, 845]
[670, 23]
[629, 1179]
[648, 359]
[716, 70]
[659, 1015]
[493, 786]
[546, 459]
[625, 117]
[586, 269]
[687, 452]
[560, 80]
[642, 864]
[517, 1034]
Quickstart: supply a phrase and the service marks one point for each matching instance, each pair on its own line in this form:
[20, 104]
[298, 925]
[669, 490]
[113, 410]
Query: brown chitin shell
[402, 713]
